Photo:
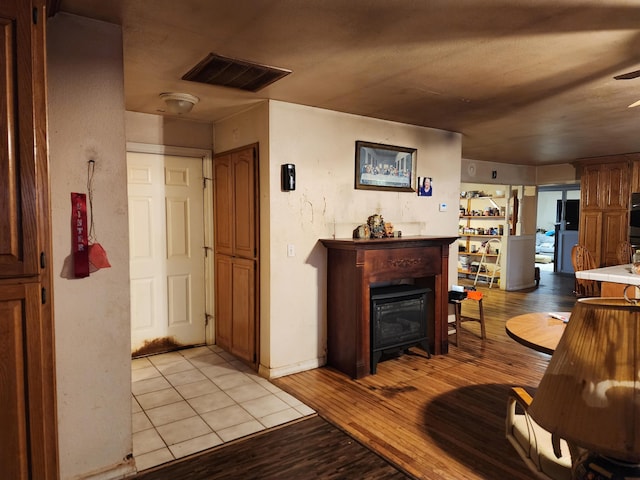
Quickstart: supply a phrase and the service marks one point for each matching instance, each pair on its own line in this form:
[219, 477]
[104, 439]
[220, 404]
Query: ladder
[491, 268]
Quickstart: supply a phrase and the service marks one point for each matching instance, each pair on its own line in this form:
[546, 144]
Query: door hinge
[43, 260]
[204, 181]
[43, 296]
[206, 319]
[206, 251]
[34, 15]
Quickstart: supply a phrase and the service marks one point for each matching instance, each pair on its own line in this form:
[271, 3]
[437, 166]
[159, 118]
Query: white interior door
[166, 239]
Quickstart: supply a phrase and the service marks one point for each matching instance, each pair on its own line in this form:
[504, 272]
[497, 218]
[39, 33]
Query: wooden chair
[624, 253]
[548, 457]
[582, 259]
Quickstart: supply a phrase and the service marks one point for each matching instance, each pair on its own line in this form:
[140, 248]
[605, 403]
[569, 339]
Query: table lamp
[590, 392]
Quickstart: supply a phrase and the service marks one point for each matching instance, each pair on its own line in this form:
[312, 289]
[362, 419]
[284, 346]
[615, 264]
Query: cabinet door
[244, 317]
[591, 233]
[235, 306]
[223, 205]
[18, 200]
[590, 186]
[224, 306]
[19, 306]
[244, 192]
[614, 185]
[614, 231]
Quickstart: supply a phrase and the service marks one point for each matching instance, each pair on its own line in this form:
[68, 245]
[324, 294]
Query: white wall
[478, 171]
[161, 130]
[321, 144]
[546, 217]
[92, 325]
[556, 174]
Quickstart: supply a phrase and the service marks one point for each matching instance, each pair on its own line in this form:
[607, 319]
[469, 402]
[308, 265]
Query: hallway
[191, 400]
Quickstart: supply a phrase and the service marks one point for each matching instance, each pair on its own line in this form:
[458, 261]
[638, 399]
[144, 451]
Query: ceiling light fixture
[179, 103]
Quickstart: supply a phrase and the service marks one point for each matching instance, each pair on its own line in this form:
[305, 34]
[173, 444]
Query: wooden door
[236, 250]
[224, 307]
[223, 204]
[614, 184]
[28, 436]
[614, 231]
[167, 263]
[244, 185]
[243, 334]
[18, 201]
[590, 187]
[235, 306]
[18, 304]
[591, 232]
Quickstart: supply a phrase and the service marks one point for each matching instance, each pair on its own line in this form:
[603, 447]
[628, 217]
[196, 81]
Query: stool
[459, 318]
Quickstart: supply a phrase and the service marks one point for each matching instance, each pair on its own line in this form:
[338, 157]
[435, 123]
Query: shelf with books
[482, 219]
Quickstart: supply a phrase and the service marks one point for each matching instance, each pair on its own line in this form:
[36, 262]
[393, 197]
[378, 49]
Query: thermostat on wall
[443, 207]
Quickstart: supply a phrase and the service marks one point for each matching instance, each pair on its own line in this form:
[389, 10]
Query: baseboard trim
[290, 369]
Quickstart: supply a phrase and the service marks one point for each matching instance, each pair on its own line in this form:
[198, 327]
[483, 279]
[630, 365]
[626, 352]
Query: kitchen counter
[613, 279]
[613, 274]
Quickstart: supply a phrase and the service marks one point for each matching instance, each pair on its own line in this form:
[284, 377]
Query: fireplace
[354, 265]
[399, 319]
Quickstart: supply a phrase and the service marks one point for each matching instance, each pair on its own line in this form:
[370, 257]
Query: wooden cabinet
[28, 437]
[236, 252]
[604, 202]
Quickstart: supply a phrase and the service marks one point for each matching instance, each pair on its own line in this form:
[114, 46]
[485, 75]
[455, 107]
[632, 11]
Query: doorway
[557, 226]
[169, 230]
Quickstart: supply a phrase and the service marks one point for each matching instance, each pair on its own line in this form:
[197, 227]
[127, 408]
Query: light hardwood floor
[443, 418]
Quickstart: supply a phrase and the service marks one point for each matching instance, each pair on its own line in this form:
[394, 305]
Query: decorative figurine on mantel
[375, 227]
[362, 231]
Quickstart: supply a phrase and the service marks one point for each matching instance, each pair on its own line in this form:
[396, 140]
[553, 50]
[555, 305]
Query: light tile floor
[187, 401]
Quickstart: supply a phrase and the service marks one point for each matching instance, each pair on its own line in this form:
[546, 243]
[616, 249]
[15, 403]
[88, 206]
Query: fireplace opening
[399, 319]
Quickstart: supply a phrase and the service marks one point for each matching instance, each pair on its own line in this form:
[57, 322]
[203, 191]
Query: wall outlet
[291, 250]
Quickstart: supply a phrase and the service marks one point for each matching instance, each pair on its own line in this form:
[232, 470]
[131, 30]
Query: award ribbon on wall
[97, 254]
[79, 235]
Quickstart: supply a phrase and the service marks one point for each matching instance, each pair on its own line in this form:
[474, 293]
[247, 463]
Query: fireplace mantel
[354, 265]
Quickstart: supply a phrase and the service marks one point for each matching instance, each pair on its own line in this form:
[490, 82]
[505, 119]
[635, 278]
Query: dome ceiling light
[179, 103]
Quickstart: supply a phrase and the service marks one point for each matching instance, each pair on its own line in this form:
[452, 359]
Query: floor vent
[231, 72]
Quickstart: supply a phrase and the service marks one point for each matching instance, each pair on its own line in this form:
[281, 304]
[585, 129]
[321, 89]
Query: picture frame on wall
[384, 167]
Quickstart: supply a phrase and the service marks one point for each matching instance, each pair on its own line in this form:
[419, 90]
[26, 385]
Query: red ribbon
[79, 235]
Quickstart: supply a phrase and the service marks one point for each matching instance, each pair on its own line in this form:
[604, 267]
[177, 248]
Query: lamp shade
[590, 392]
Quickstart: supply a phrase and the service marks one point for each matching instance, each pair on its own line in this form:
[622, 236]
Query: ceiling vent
[234, 73]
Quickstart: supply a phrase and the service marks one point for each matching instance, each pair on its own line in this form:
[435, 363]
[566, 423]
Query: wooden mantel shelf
[354, 265]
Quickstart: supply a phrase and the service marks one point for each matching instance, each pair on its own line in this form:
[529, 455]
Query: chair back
[624, 252]
[582, 259]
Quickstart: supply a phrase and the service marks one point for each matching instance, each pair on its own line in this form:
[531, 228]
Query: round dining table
[540, 330]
